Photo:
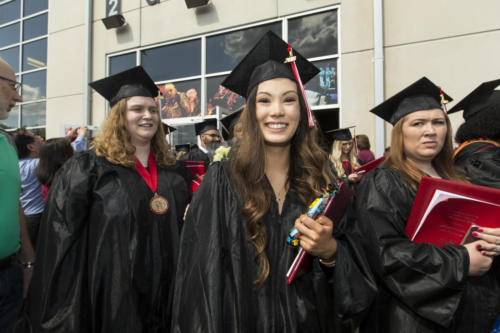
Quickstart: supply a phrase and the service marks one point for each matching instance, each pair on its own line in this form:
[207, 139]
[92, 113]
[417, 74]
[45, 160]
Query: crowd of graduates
[126, 243]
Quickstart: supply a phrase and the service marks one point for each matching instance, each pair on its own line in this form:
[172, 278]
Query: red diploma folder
[371, 165]
[197, 169]
[444, 211]
[334, 211]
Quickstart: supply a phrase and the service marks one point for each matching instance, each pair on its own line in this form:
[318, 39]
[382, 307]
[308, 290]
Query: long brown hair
[114, 142]
[443, 162]
[307, 173]
[53, 154]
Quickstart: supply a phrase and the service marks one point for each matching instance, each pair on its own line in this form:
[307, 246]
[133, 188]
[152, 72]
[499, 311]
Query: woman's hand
[354, 177]
[492, 238]
[479, 263]
[316, 236]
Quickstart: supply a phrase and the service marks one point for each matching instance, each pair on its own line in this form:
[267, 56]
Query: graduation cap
[183, 147]
[168, 129]
[228, 123]
[342, 134]
[132, 82]
[420, 95]
[206, 125]
[478, 99]
[265, 61]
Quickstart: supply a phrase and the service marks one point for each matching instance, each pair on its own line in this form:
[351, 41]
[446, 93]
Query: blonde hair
[114, 142]
[337, 154]
[411, 174]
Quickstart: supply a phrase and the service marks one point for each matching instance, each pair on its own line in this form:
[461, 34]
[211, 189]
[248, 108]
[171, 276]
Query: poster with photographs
[322, 89]
[217, 95]
[180, 99]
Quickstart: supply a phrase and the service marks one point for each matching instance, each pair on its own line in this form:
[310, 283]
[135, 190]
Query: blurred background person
[479, 136]
[343, 156]
[194, 103]
[116, 213]
[209, 141]
[364, 153]
[53, 154]
[78, 138]
[28, 150]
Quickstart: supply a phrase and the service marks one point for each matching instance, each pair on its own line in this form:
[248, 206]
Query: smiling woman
[116, 212]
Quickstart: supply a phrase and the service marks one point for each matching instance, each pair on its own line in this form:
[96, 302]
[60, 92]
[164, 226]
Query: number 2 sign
[113, 7]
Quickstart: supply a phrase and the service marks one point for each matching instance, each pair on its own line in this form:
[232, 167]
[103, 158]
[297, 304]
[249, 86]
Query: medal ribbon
[291, 60]
[149, 177]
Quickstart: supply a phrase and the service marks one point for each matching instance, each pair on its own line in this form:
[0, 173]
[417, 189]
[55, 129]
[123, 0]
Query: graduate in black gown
[234, 257]
[479, 136]
[424, 288]
[210, 140]
[109, 236]
[343, 156]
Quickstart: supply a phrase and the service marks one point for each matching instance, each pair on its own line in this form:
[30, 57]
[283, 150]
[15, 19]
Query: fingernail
[483, 253]
[480, 230]
[478, 246]
[474, 234]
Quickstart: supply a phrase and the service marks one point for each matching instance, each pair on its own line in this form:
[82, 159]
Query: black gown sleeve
[200, 278]
[481, 162]
[426, 278]
[55, 298]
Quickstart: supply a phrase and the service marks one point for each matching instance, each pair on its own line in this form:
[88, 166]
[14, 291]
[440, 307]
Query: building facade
[366, 51]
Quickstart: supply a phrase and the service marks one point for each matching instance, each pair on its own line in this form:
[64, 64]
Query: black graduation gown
[216, 270]
[196, 154]
[423, 287]
[481, 162]
[105, 262]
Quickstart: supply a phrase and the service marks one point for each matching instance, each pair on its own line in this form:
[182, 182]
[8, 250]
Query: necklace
[280, 196]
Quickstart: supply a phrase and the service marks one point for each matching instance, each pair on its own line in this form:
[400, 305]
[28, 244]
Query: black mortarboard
[420, 95]
[342, 134]
[206, 125]
[228, 123]
[327, 121]
[183, 147]
[478, 99]
[168, 129]
[132, 82]
[265, 62]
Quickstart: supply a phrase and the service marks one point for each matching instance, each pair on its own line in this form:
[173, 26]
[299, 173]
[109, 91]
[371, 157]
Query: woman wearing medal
[109, 235]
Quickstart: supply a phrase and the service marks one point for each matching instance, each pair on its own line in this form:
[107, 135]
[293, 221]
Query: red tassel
[291, 60]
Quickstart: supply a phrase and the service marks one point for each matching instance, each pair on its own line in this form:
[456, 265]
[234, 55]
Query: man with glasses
[209, 141]
[16, 253]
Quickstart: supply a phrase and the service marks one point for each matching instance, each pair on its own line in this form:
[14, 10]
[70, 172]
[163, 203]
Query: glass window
[122, 62]
[173, 61]
[35, 54]
[10, 11]
[34, 6]
[180, 99]
[34, 86]
[226, 50]
[13, 120]
[184, 134]
[314, 35]
[39, 132]
[322, 89]
[11, 56]
[33, 114]
[9, 34]
[217, 95]
[35, 27]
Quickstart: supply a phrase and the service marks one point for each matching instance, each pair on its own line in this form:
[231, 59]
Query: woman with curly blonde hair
[343, 156]
[233, 255]
[108, 239]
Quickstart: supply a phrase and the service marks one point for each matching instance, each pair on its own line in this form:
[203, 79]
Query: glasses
[213, 136]
[13, 84]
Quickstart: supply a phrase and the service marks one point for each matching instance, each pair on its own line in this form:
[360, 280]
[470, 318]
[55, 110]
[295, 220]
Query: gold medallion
[158, 204]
